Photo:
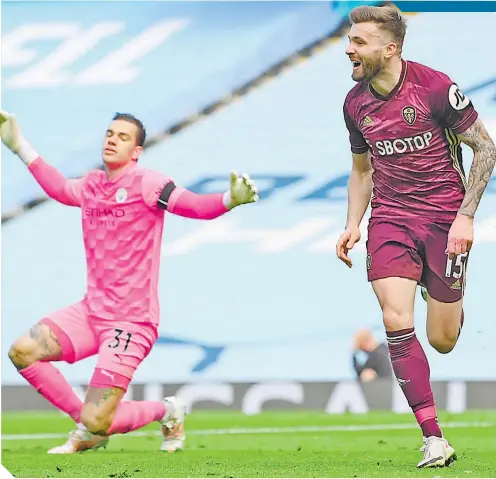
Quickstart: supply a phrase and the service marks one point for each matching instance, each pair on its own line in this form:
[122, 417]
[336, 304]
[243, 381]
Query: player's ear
[137, 152]
[390, 50]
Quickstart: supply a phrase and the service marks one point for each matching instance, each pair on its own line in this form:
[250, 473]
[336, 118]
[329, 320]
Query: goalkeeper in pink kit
[123, 209]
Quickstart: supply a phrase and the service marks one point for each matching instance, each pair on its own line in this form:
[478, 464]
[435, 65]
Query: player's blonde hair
[387, 18]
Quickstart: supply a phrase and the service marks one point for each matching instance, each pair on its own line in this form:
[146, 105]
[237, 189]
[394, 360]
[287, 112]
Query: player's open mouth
[356, 64]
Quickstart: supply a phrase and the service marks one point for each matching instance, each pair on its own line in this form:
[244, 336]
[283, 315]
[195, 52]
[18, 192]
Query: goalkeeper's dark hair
[132, 119]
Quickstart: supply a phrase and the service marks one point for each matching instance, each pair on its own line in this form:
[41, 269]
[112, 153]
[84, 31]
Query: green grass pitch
[228, 444]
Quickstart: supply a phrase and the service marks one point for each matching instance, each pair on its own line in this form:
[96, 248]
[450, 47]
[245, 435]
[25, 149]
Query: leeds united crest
[409, 114]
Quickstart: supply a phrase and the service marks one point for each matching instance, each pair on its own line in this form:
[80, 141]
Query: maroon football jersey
[411, 133]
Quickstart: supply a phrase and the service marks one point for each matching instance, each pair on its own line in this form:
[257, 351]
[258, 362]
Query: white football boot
[80, 440]
[173, 425]
[437, 452]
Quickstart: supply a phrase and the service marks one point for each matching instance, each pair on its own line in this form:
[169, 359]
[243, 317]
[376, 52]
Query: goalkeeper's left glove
[241, 191]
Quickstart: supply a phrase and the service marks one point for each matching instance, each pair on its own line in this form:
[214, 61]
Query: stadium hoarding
[254, 398]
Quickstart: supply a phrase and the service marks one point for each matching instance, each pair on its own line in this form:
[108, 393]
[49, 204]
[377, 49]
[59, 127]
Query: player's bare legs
[396, 297]
[39, 343]
[443, 286]
[444, 321]
[31, 355]
[99, 409]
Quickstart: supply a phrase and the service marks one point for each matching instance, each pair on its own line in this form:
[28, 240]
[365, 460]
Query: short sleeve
[357, 141]
[450, 106]
[152, 186]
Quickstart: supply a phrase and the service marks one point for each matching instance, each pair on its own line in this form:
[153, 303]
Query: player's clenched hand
[241, 191]
[346, 242]
[10, 132]
[460, 236]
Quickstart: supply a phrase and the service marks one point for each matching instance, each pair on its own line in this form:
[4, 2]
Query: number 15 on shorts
[457, 269]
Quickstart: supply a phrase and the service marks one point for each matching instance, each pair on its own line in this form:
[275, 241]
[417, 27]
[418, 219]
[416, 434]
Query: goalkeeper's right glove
[13, 139]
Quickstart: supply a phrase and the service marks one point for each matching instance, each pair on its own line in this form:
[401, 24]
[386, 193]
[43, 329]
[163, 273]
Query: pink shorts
[121, 346]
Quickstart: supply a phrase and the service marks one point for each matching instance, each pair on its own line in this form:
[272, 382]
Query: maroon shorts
[415, 249]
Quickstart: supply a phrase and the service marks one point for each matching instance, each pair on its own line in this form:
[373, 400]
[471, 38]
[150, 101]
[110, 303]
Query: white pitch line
[265, 430]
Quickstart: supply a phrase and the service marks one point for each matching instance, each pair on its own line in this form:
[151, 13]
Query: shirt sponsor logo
[104, 212]
[399, 146]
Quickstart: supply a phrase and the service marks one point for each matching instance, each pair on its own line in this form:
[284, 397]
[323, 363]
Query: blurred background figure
[370, 357]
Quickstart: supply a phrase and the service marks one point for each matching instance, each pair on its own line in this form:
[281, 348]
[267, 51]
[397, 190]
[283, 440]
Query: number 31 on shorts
[120, 338]
[457, 269]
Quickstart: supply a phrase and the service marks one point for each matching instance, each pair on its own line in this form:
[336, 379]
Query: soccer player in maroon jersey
[406, 122]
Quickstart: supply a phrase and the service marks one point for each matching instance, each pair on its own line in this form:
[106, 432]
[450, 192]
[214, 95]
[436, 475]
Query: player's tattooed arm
[477, 137]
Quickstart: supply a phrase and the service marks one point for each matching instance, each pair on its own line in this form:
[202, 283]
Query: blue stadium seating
[65, 74]
[296, 307]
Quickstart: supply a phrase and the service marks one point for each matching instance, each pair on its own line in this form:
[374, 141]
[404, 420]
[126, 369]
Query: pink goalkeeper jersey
[122, 228]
